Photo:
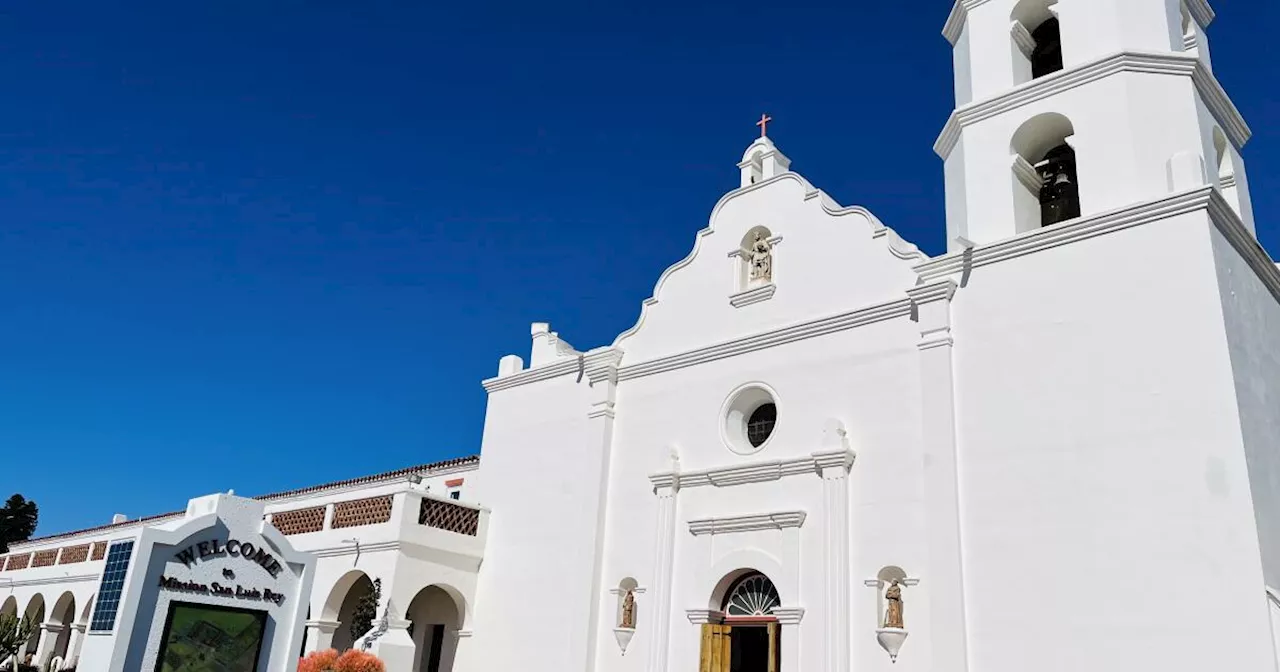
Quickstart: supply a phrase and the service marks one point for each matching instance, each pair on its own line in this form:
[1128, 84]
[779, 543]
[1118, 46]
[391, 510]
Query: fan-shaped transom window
[752, 595]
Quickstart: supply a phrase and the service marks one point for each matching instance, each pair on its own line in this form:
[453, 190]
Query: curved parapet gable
[817, 259]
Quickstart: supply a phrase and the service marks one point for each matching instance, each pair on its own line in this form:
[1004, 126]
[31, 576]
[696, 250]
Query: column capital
[54, 628]
[327, 627]
[80, 627]
[702, 616]
[833, 463]
[789, 615]
[938, 290]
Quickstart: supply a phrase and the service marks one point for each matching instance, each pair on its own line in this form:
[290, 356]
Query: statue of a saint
[629, 610]
[761, 259]
[893, 612]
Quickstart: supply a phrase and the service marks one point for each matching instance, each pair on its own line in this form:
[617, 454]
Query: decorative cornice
[702, 616]
[753, 295]
[756, 472]
[1233, 229]
[1215, 98]
[352, 549]
[602, 409]
[1206, 197]
[796, 332]
[752, 523]
[959, 14]
[789, 615]
[665, 480]
[1022, 38]
[1068, 232]
[1027, 174]
[929, 292]
[563, 367]
[77, 578]
[833, 459]
[603, 367]
[1200, 11]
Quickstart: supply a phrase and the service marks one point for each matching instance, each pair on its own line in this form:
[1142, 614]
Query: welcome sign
[219, 590]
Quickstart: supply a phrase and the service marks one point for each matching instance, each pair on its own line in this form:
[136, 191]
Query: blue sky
[261, 245]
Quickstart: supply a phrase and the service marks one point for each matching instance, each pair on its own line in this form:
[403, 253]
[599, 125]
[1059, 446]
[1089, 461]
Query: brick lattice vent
[449, 517]
[44, 558]
[18, 562]
[371, 511]
[74, 554]
[299, 521]
[99, 550]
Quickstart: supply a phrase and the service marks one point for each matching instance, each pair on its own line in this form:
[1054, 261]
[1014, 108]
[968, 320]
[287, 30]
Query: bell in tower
[1059, 192]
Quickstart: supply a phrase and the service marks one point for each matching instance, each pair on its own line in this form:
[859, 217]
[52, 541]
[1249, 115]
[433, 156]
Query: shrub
[319, 661]
[351, 661]
[358, 661]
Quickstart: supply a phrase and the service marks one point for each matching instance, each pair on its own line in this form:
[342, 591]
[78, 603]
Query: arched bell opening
[1046, 182]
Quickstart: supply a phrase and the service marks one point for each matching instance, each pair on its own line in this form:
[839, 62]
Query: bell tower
[1071, 109]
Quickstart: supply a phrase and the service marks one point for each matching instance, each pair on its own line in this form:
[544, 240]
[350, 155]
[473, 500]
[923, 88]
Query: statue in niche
[629, 610]
[893, 611]
[761, 259]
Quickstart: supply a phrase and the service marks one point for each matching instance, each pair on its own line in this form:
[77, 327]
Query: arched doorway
[744, 637]
[435, 614]
[342, 603]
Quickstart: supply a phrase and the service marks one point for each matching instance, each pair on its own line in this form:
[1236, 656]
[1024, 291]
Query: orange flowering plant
[331, 661]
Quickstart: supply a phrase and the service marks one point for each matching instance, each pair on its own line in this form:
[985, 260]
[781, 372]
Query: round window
[750, 416]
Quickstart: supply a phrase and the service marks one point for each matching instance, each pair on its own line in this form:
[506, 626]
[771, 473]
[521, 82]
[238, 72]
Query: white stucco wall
[1252, 319]
[1104, 486]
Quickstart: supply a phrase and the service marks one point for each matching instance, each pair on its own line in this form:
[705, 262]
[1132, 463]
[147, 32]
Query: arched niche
[627, 586]
[756, 268]
[1045, 179]
[9, 607]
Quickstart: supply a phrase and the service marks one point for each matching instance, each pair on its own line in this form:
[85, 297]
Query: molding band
[1187, 65]
[758, 472]
[751, 523]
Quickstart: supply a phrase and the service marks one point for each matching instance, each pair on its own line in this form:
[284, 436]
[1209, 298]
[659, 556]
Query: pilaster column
[601, 371]
[320, 635]
[834, 468]
[666, 487]
[947, 635]
[48, 641]
[77, 641]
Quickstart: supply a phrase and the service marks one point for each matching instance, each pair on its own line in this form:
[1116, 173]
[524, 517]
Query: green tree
[13, 633]
[17, 521]
[366, 611]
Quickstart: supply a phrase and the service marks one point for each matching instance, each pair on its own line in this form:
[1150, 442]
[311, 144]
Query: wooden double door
[740, 647]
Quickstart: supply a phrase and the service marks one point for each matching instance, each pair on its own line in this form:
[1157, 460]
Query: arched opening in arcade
[435, 615]
[344, 600]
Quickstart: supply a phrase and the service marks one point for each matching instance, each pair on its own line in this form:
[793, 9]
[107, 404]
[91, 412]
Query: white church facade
[1054, 447]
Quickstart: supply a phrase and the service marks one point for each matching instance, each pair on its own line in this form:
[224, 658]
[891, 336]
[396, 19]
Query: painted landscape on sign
[200, 638]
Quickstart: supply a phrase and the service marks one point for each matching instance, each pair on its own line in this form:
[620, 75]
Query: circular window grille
[753, 595]
[760, 424]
